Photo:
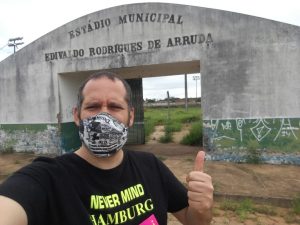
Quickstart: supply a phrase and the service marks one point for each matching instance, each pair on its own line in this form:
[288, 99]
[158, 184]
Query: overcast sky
[32, 19]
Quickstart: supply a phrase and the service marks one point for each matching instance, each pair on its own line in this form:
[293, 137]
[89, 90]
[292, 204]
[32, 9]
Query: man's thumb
[199, 161]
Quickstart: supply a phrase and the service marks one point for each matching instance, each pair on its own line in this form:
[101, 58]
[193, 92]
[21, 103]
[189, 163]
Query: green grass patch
[246, 207]
[267, 210]
[7, 150]
[169, 129]
[149, 128]
[166, 138]
[173, 127]
[253, 152]
[7, 147]
[171, 118]
[194, 137]
[296, 205]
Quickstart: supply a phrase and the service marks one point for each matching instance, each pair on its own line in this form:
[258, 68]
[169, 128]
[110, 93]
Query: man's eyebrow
[115, 102]
[92, 103]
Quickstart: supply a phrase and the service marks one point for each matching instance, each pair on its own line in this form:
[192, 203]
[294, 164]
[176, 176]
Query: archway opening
[69, 83]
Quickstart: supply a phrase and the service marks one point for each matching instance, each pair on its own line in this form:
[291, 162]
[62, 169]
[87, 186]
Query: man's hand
[200, 191]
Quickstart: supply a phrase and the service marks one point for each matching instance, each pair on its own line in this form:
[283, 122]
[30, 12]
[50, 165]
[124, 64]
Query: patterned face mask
[103, 134]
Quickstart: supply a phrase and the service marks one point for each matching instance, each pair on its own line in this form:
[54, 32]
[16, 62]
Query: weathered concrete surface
[253, 71]
[249, 66]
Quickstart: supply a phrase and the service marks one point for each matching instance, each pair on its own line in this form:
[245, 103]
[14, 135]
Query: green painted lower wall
[26, 127]
[274, 135]
[51, 138]
[275, 140]
[69, 137]
[38, 138]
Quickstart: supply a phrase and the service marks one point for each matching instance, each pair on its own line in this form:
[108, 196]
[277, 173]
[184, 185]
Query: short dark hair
[109, 75]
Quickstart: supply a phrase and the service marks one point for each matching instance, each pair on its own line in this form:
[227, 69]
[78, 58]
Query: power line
[3, 46]
[14, 42]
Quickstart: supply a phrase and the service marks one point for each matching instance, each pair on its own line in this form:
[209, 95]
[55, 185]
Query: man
[101, 183]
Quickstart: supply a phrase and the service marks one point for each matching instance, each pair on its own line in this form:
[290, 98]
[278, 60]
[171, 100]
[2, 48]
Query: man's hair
[99, 75]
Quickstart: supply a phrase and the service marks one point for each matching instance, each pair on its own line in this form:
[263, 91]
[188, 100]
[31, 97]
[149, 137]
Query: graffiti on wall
[37, 138]
[269, 140]
[272, 134]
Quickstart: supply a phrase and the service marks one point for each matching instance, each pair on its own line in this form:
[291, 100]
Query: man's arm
[11, 212]
[200, 196]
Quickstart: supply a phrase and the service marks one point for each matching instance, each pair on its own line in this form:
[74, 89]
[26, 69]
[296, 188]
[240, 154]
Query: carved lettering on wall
[91, 26]
[133, 47]
[124, 19]
[151, 17]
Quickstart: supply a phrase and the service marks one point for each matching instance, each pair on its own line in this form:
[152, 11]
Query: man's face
[105, 95]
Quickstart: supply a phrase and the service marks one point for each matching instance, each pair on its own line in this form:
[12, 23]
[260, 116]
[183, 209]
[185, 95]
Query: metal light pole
[195, 78]
[15, 44]
[168, 96]
[185, 92]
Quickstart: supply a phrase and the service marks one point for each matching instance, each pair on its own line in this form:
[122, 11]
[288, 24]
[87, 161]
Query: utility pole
[185, 92]
[14, 42]
[168, 96]
[195, 78]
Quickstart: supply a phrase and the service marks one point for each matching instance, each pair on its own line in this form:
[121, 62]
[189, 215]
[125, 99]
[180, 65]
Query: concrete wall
[249, 67]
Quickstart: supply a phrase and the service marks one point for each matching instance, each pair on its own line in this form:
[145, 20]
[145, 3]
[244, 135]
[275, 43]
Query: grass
[246, 207]
[7, 150]
[173, 126]
[294, 215]
[166, 138]
[194, 137]
[7, 147]
[169, 129]
[172, 120]
[253, 153]
[296, 205]
[267, 210]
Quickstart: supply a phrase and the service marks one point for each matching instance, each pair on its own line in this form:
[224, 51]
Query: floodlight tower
[195, 78]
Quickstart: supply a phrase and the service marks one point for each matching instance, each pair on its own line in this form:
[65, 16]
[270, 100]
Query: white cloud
[157, 87]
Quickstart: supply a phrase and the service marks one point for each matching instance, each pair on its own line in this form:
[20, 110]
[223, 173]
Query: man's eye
[91, 107]
[116, 107]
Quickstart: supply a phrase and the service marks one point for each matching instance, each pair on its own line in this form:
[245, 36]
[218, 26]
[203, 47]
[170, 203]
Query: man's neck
[105, 163]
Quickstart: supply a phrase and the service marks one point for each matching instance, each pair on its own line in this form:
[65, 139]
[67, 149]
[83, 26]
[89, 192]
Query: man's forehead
[91, 84]
[115, 81]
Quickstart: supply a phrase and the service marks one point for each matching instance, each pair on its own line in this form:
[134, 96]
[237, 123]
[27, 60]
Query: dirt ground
[270, 187]
[266, 185]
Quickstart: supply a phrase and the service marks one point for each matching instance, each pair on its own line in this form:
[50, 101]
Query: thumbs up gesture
[200, 190]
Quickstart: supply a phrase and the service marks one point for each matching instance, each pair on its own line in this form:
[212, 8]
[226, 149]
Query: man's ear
[76, 116]
[131, 117]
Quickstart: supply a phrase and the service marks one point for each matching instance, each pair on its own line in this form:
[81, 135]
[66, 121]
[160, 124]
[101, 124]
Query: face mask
[102, 134]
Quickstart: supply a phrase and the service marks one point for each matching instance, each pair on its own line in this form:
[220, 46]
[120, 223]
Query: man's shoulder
[43, 164]
[52, 160]
[140, 155]
[144, 159]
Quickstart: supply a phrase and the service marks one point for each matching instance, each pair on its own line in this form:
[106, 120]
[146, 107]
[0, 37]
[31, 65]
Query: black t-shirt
[67, 190]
